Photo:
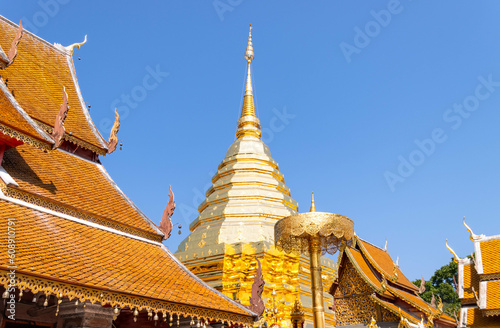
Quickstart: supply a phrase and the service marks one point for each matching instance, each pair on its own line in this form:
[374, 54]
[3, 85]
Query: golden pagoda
[236, 222]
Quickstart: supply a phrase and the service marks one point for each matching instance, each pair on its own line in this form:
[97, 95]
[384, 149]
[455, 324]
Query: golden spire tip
[249, 55]
[313, 207]
[248, 124]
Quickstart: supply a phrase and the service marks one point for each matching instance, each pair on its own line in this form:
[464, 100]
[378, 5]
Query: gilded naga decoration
[314, 233]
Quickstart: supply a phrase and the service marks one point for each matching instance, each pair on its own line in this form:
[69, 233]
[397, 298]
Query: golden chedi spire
[236, 222]
[248, 124]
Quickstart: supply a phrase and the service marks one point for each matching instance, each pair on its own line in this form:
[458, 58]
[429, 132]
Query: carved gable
[353, 304]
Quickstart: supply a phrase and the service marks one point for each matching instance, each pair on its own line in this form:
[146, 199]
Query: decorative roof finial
[421, 289]
[313, 207]
[248, 124]
[395, 270]
[455, 256]
[71, 48]
[385, 247]
[473, 236]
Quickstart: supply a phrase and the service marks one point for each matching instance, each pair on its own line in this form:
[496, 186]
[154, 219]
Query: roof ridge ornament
[71, 48]
[395, 270]
[113, 137]
[455, 256]
[473, 236]
[166, 223]
[6, 60]
[59, 130]
[421, 290]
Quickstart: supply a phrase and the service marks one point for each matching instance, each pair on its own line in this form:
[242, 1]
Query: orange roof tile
[383, 262]
[413, 300]
[394, 296]
[395, 309]
[58, 248]
[363, 268]
[490, 253]
[471, 279]
[475, 318]
[493, 295]
[63, 178]
[36, 79]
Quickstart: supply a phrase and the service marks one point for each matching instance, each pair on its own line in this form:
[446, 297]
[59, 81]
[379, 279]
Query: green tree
[443, 284]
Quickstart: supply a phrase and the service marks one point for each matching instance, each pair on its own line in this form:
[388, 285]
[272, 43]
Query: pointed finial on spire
[313, 207]
[248, 124]
[249, 53]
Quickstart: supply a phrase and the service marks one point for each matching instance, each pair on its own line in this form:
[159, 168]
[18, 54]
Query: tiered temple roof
[77, 235]
[370, 285]
[479, 282]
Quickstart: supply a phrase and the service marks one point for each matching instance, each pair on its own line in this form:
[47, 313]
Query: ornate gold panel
[353, 304]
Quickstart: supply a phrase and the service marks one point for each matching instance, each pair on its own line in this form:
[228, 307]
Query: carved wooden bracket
[113, 137]
[166, 223]
[9, 59]
[256, 303]
[59, 130]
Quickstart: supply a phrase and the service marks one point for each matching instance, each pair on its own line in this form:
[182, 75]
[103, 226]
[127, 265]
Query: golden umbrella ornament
[314, 233]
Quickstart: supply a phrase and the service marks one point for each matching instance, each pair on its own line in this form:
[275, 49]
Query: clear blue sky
[363, 79]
